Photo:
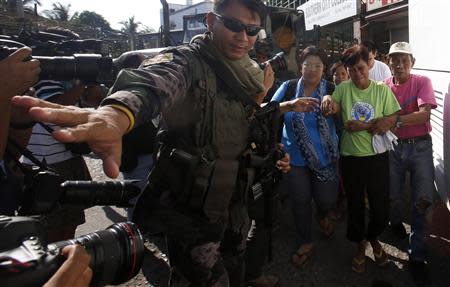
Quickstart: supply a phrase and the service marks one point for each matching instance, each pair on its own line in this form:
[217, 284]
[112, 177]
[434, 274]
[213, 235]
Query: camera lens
[278, 62]
[116, 253]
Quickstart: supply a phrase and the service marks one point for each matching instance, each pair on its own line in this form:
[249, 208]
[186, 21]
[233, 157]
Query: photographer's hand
[102, 128]
[17, 74]
[75, 271]
[269, 78]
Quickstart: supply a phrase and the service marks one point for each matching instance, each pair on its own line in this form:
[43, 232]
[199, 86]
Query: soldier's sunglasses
[237, 26]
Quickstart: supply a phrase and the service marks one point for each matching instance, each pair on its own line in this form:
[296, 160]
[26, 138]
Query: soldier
[206, 92]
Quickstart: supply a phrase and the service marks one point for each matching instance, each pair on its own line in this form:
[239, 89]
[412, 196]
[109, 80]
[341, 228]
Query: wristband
[398, 122]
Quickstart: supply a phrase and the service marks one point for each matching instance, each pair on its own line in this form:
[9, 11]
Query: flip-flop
[301, 259]
[359, 265]
[381, 258]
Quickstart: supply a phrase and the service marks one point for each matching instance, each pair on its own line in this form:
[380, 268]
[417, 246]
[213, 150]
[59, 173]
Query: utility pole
[166, 24]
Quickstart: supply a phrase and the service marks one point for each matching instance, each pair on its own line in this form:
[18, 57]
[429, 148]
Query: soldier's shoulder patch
[160, 58]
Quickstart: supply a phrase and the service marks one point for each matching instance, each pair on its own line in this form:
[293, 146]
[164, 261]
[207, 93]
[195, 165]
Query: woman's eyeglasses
[237, 26]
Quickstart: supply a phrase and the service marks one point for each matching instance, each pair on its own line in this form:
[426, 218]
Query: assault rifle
[266, 152]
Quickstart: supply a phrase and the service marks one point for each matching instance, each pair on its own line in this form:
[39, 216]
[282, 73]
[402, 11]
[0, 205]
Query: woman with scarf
[312, 143]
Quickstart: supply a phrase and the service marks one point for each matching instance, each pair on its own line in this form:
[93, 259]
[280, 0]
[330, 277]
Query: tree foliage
[92, 19]
[130, 27]
[59, 12]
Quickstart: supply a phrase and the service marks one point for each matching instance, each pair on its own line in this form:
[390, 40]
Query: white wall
[177, 16]
[429, 35]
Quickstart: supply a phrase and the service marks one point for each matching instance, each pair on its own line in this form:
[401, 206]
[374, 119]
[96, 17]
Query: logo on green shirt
[363, 112]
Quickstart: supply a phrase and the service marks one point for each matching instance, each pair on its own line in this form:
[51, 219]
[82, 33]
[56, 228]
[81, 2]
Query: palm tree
[130, 27]
[59, 12]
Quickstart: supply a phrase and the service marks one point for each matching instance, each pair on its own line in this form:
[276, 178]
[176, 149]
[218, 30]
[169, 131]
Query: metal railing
[290, 4]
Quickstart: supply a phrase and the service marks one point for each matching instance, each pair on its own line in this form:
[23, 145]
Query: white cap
[400, 47]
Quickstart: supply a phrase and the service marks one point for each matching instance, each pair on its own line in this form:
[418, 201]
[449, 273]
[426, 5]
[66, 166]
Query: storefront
[330, 25]
[385, 22]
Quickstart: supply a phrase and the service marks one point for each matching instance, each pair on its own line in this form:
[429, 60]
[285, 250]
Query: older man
[414, 153]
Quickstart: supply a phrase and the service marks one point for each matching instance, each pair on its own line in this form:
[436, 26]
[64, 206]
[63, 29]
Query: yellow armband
[127, 112]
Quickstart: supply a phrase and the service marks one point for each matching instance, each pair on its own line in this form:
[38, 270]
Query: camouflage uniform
[206, 240]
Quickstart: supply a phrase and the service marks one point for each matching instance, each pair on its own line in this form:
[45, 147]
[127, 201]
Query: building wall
[428, 25]
[176, 18]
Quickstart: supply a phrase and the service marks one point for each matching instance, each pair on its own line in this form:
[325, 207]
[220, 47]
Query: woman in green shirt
[367, 108]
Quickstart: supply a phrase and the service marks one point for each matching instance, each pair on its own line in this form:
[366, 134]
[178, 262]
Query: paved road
[331, 261]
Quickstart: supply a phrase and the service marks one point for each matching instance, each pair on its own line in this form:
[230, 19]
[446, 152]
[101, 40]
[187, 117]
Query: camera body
[27, 260]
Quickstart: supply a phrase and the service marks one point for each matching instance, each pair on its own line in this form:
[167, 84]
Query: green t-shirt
[365, 105]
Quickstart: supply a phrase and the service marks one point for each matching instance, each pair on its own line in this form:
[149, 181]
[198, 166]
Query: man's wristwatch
[398, 122]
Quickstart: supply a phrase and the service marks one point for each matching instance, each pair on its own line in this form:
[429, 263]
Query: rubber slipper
[359, 265]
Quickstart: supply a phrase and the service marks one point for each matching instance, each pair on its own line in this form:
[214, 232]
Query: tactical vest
[198, 172]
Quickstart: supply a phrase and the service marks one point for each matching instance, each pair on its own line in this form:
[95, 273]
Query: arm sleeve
[425, 94]
[337, 94]
[279, 94]
[153, 87]
[391, 104]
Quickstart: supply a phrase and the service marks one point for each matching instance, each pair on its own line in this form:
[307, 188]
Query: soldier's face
[233, 45]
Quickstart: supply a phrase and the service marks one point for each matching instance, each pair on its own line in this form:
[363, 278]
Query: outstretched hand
[101, 129]
[303, 104]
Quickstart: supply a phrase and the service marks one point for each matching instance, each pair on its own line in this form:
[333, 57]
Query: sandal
[359, 265]
[301, 258]
[381, 258]
[326, 227]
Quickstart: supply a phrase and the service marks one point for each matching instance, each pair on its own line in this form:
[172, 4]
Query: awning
[386, 12]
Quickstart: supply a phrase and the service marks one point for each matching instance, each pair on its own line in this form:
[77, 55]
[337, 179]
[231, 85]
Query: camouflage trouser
[208, 264]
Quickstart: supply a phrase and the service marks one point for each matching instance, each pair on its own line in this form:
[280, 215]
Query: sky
[114, 11]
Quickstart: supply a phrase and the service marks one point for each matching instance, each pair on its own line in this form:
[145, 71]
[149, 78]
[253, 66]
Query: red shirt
[416, 92]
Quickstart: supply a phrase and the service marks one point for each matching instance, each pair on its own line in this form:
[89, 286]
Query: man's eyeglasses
[237, 26]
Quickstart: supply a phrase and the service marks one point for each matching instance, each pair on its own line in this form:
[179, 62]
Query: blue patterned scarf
[303, 140]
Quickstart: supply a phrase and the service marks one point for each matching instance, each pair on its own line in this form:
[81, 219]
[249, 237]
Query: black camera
[45, 189]
[67, 60]
[26, 259]
[277, 62]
